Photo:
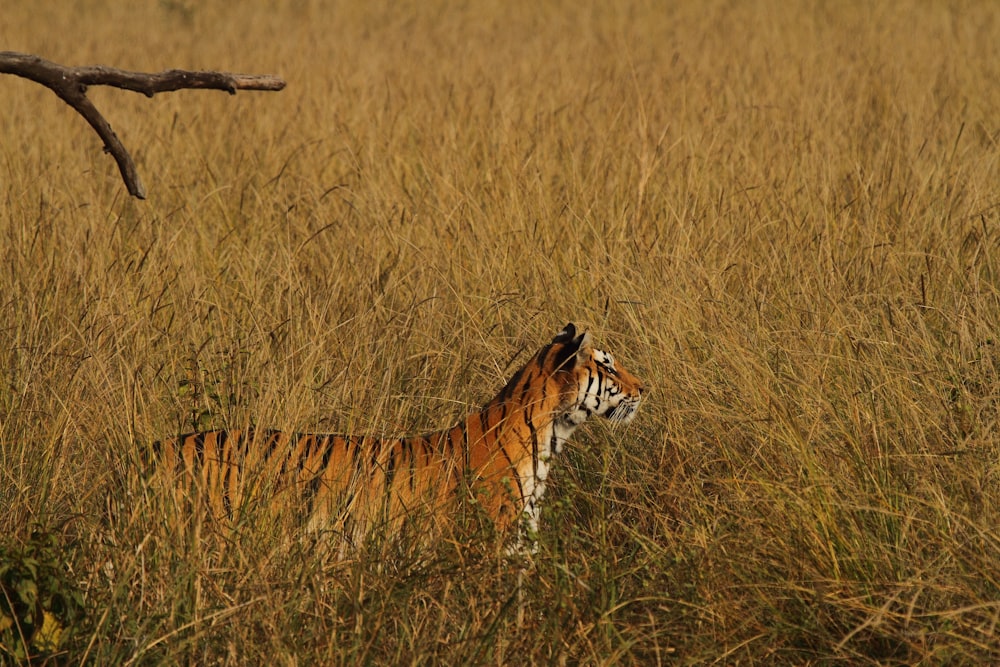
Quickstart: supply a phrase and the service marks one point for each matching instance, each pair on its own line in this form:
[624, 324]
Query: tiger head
[594, 383]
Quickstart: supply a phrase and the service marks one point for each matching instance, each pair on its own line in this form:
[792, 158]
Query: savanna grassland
[785, 217]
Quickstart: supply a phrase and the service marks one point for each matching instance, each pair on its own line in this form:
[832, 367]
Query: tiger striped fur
[499, 456]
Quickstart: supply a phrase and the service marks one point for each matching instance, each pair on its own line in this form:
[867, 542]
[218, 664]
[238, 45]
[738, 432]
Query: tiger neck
[547, 433]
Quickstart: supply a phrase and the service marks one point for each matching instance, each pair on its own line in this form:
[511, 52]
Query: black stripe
[348, 532]
[313, 484]
[465, 449]
[542, 355]
[484, 426]
[221, 438]
[312, 488]
[524, 388]
[246, 438]
[359, 462]
[517, 476]
[227, 501]
[331, 445]
[270, 444]
[449, 447]
[294, 441]
[226, 469]
[199, 446]
[314, 444]
[376, 447]
[413, 461]
[390, 468]
[534, 444]
[508, 388]
[413, 464]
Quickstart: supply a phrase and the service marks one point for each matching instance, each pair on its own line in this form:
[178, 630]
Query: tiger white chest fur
[601, 388]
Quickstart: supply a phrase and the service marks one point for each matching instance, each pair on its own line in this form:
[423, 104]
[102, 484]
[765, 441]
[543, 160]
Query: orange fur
[498, 456]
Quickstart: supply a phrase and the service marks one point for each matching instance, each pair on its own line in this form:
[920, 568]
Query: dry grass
[784, 219]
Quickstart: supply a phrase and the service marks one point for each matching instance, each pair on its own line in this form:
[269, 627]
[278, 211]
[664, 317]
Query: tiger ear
[572, 346]
[567, 334]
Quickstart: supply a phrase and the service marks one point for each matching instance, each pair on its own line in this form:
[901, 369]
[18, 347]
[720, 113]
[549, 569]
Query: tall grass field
[783, 216]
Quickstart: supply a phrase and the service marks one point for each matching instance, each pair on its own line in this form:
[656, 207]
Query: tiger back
[348, 486]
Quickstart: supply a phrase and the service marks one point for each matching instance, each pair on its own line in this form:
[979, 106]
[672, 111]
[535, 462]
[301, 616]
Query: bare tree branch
[70, 84]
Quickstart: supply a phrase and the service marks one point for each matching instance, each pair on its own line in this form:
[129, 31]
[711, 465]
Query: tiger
[498, 457]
